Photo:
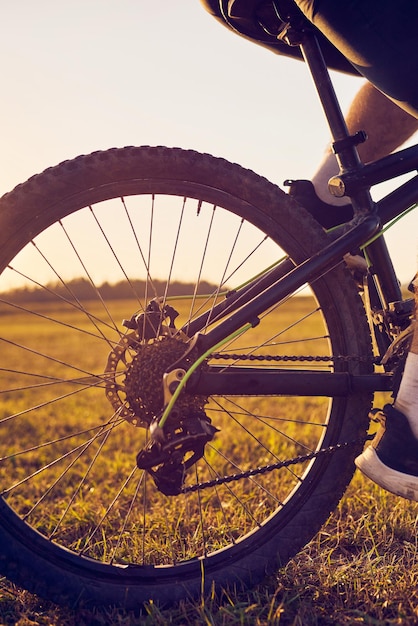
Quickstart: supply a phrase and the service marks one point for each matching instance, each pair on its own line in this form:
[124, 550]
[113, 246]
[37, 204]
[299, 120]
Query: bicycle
[187, 371]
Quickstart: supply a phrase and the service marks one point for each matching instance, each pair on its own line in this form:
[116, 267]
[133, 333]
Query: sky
[85, 75]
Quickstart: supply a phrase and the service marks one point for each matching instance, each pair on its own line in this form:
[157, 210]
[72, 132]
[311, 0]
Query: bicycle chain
[285, 357]
[299, 459]
[274, 466]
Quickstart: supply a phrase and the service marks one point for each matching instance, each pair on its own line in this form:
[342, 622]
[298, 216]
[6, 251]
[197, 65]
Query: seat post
[344, 144]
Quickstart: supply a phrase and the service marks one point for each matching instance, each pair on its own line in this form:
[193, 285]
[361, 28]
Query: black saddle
[264, 21]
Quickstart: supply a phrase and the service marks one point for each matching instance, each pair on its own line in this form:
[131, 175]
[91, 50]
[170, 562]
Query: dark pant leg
[378, 36]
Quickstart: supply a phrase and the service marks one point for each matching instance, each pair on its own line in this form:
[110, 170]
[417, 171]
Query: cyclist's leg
[369, 111]
[378, 37]
[391, 460]
[373, 111]
[407, 397]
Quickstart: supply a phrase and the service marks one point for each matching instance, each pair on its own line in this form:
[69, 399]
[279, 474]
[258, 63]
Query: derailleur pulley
[174, 449]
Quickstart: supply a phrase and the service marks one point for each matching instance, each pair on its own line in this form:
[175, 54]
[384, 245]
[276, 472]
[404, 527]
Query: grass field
[361, 568]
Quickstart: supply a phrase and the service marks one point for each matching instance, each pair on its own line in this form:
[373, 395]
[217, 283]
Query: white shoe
[391, 460]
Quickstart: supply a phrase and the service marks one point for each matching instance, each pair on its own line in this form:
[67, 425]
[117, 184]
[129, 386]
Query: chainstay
[299, 459]
[221, 480]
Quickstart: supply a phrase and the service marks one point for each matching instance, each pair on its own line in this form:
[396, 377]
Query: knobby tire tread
[25, 556]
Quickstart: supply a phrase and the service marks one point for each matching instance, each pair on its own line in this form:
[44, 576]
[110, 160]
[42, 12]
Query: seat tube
[344, 145]
[348, 157]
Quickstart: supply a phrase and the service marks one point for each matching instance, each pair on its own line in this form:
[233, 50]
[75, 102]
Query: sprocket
[137, 363]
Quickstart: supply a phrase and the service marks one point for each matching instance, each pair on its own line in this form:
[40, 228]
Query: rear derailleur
[173, 449]
[143, 357]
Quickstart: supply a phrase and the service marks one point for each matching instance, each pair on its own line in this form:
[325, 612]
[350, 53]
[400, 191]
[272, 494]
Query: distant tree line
[82, 289]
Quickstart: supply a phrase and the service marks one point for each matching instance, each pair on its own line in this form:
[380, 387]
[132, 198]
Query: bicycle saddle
[265, 21]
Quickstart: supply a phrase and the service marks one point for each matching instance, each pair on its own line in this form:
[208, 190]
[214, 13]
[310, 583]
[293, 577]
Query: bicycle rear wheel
[90, 243]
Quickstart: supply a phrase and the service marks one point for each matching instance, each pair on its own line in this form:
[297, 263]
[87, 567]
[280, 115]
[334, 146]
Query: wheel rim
[68, 454]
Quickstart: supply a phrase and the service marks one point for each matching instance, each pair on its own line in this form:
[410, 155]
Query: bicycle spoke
[108, 510]
[125, 523]
[101, 310]
[84, 477]
[90, 279]
[52, 442]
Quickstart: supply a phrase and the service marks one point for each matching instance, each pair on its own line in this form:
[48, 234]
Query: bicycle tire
[56, 530]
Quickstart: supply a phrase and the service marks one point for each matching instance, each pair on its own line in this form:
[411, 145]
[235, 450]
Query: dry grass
[360, 569]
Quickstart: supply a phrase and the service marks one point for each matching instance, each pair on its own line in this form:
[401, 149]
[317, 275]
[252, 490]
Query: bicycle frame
[242, 308]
